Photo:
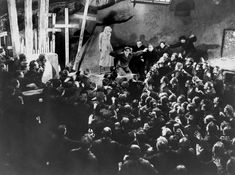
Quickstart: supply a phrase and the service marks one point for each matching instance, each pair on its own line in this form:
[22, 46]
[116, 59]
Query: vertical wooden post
[66, 36]
[43, 23]
[36, 41]
[28, 27]
[15, 37]
[82, 33]
[53, 33]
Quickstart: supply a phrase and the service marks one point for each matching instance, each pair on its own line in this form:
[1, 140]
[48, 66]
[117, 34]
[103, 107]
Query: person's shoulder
[144, 161]
[97, 142]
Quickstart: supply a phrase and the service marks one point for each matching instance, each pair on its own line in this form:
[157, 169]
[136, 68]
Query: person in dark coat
[162, 48]
[150, 57]
[134, 164]
[83, 162]
[108, 153]
[136, 64]
[33, 75]
[188, 48]
[124, 59]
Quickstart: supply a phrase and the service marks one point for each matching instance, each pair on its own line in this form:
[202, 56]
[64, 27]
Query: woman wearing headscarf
[105, 48]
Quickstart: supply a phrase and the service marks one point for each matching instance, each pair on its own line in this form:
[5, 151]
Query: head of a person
[139, 44]
[162, 144]
[205, 65]
[160, 63]
[107, 132]
[162, 44]
[3, 67]
[182, 39]
[166, 132]
[41, 60]
[229, 111]
[61, 130]
[127, 51]
[184, 143]
[218, 149]
[179, 66]
[216, 70]
[33, 65]
[212, 128]
[230, 166]
[134, 151]
[206, 105]
[150, 48]
[2, 51]
[180, 170]
[107, 30]
[189, 62]
[196, 101]
[84, 96]
[181, 98]
[22, 58]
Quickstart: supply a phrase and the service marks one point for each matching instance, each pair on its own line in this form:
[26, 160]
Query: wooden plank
[53, 33]
[3, 34]
[88, 18]
[82, 33]
[66, 25]
[15, 37]
[43, 24]
[28, 27]
[53, 30]
[66, 36]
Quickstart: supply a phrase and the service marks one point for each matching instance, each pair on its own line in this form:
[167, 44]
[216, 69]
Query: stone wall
[154, 23]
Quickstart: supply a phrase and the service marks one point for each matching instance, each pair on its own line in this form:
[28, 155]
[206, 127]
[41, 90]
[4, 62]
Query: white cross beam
[88, 18]
[66, 26]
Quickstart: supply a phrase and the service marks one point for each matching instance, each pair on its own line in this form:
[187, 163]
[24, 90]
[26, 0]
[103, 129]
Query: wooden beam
[43, 23]
[89, 17]
[15, 36]
[81, 34]
[66, 26]
[2, 34]
[28, 27]
[66, 36]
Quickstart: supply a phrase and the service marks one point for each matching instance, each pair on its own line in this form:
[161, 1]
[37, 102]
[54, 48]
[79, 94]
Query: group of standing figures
[140, 58]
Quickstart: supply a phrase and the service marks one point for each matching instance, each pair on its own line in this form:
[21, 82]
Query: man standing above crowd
[136, 64]
[188, 48]
[124, 59]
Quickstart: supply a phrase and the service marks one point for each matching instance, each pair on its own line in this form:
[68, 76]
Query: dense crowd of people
[177, 117]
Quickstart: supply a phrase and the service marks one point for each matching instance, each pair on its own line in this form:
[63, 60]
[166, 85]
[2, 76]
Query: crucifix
[66, 26]
[53, 31]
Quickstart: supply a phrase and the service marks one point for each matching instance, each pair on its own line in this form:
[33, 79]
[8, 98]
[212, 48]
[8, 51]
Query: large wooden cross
[53, 30]
[66, 26]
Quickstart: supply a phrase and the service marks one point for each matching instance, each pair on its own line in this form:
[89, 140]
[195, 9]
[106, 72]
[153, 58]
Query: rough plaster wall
[153, 23]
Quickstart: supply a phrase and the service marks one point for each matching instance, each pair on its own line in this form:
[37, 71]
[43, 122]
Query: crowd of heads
[178, 120]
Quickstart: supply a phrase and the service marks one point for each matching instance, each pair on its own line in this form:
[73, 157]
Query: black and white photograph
[117, 87]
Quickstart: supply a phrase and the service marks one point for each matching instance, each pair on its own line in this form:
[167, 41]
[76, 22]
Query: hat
[134, 150]
[127, 48]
